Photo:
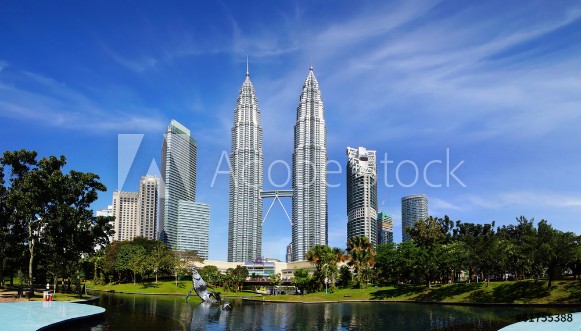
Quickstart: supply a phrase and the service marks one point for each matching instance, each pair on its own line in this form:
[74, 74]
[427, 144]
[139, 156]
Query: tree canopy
[47, 211]
[441, 250]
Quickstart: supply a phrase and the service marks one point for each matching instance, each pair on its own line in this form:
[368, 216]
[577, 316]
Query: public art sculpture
[201, 289]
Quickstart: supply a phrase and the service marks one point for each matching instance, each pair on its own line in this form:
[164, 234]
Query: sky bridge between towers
[276, 195]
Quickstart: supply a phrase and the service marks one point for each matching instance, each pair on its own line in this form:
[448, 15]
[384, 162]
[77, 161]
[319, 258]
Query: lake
[152, 312]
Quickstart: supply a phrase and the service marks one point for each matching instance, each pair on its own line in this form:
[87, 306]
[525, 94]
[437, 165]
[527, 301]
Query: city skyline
[488, 89]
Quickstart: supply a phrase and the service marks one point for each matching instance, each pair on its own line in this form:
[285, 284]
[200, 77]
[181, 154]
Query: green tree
[27, 196]
[4, 224]
[406, 261]
[430, 234]
[109, 263]
[428, 262]
[427, 232]
[12, 234]
[211, 275]
[325, 261]
[137, 261]
[483, 246]
[239, 275]
[518, 242]
[130, 257]
[70, 230]
[159, 258]
[386, 263]
[575, 265]
[360, 254]
[122, 260]
[182, 263]
[50, 210]
[345, 276]
[302, 279]
[275, 279]
[557, 249]
[457, 257]
[97, 261]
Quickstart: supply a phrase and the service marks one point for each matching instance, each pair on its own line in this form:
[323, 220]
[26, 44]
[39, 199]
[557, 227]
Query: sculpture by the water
[199, 286]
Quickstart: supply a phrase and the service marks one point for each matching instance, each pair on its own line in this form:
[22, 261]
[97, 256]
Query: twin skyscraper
[309, 175]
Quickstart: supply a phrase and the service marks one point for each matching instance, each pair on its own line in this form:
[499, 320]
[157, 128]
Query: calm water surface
[141, 312]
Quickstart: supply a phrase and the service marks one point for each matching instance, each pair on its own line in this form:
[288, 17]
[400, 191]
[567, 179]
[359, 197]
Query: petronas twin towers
[246, 178]
[309, 178]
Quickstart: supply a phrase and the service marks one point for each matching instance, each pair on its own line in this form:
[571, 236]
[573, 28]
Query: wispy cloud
[137, 65]
[437, 206]
[362, 28]
[30, 96]
[455, 70]
[518, 199]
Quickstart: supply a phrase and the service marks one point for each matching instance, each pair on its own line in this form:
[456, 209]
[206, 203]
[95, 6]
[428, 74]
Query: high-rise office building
[147, 207]
[193, 227]
[246, 178]
[384, 228]
[413, 209]
[362, 194]
[178, 189]
[126, 212]
[309, 201]
[135, 212]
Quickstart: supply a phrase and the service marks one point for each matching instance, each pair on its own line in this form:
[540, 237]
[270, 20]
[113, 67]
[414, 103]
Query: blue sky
[497, 84]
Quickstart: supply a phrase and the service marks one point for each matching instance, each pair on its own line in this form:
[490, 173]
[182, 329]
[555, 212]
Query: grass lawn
[521, 292]
[497, 292]
[162, 287]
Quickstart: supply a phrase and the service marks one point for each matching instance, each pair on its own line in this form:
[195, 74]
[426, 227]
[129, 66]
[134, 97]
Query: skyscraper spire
[247, 73]
[311, 60]
[246, 177]
[309, 225]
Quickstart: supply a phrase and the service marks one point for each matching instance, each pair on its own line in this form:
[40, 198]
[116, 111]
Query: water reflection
[173, 313]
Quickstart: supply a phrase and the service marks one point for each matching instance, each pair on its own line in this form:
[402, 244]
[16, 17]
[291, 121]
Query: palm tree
[360, 254]
[325, 260]
[339, 254]
[318, 256]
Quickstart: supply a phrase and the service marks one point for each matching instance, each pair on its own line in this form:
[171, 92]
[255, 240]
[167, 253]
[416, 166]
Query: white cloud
[137, 65]
[447, 67]
[362, 28]
[52, 103]
[438, 205]
[537, 199]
